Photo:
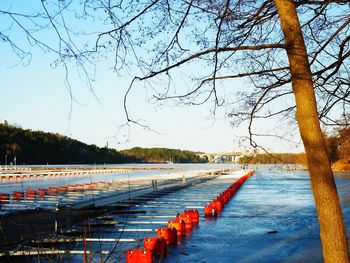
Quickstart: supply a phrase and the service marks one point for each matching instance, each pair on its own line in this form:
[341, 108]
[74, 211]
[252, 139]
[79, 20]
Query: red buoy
[138, 256]
[4, 198]
[187, 219]
[157, 246]
[169, 234]
[179, 225]
[42, 192]
[210, 210]
[30, 194]
[194, 215]
[52, 190]
[217, 205]
[62, 189]
[16, 195]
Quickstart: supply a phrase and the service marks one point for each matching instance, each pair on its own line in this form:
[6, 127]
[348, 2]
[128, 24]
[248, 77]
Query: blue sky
[35, 96]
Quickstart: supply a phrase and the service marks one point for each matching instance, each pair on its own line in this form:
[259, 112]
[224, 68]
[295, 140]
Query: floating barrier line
[180, 226]
[215, 207]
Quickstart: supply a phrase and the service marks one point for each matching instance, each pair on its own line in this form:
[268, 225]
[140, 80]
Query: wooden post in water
[85, 257]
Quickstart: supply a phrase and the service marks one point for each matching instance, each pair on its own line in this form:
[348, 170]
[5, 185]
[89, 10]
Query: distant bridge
[227, 156]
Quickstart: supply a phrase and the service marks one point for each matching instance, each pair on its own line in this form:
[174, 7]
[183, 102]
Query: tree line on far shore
[37, 147]
[24, 146]
[338, 147]
[274, 158]
[152, 155]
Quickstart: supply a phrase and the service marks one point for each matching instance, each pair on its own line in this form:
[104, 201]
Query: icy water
[271, 219]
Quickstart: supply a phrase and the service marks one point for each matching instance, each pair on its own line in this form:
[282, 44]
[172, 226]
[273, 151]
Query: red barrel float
[52, 190]
[157, 246]
[233, 189]
[16, 195]
[210, 210]
[179, 225]
[30, 194]
[225, 196]
[217, 205]
[62, 189]
[4, 198]
[194, 215]
[169, 234]
[187, 219]
[42, 192]
[138, 256]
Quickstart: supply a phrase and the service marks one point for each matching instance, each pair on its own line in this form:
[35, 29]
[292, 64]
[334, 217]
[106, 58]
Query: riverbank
[342, 165]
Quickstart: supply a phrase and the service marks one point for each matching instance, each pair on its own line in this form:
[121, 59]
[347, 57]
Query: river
[271, 219]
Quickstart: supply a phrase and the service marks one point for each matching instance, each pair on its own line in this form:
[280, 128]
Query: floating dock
[64, 206]
[15, 174]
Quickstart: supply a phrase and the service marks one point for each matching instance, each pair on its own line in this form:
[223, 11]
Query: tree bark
[332, 230]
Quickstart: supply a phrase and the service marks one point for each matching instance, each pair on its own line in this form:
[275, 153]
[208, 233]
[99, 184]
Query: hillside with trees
[338, 148]
[25, 146]
[37, 147]
[156, 155]
[275, 158]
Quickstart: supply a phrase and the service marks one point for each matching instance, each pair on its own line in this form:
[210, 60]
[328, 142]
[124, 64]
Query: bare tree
[294, 54]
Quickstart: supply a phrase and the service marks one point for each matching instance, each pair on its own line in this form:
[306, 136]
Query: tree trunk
[332, 230]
